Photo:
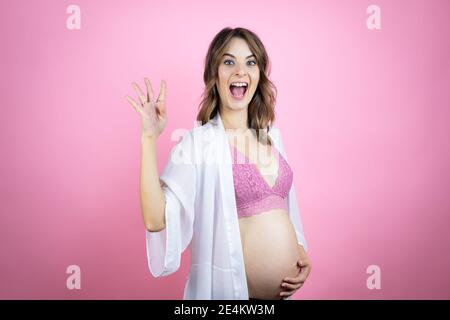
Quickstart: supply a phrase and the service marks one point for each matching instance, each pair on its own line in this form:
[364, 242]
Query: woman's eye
[229, 62]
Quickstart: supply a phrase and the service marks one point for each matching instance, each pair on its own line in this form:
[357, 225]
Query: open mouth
[238, 90]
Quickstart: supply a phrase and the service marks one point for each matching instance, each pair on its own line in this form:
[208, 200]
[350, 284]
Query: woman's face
[238, 75]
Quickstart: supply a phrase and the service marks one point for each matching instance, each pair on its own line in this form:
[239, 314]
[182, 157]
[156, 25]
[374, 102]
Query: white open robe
[201, 207]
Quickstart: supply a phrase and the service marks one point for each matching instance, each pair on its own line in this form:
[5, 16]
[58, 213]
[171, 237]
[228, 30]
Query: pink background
[364, 116]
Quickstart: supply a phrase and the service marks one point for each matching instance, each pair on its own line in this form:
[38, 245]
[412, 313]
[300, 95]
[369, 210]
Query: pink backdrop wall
[364, 116]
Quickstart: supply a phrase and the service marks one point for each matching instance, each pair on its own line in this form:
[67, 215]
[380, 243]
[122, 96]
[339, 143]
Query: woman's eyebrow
[229, 54]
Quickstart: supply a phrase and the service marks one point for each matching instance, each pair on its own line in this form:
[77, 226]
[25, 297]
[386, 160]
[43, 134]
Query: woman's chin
[238, 105]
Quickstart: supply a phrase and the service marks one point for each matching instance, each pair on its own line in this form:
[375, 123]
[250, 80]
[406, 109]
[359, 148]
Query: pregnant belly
[270, 251]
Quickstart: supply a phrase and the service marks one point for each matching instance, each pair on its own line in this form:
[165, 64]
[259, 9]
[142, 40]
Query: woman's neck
[233, 120]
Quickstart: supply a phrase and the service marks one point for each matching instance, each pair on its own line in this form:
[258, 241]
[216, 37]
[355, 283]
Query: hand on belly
[270, 252]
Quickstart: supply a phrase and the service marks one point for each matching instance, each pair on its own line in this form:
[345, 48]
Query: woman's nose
[241, 70]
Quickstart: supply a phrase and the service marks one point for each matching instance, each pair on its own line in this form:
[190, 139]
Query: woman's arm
[154, 118]
[168, 200]
[152, 195]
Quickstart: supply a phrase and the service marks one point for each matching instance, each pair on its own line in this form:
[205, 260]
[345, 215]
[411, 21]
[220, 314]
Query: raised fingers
[149, 89]
[162, 92]
[139, 92]
[134, 104]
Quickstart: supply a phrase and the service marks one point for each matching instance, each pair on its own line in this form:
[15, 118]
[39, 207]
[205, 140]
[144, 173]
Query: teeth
[239, 84]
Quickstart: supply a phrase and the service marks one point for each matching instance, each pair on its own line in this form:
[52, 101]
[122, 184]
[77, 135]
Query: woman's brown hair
[261, 108]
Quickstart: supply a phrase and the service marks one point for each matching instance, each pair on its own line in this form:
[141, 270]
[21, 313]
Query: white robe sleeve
[294, 213]
[178, 181]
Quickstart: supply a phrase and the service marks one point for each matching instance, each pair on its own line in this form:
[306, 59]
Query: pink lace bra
[253, 193]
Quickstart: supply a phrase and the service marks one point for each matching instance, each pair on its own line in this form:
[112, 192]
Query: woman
[227, 189]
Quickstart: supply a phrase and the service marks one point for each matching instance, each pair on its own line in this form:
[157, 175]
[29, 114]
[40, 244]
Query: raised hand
[153, 113]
